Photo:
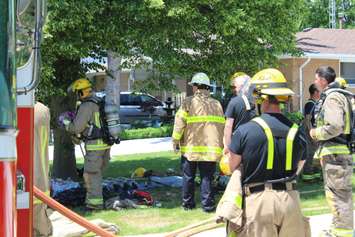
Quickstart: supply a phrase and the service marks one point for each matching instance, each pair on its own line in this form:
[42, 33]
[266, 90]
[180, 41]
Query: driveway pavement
[131, 147]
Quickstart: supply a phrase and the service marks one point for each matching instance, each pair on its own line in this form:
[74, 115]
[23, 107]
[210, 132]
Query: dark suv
[140, 108]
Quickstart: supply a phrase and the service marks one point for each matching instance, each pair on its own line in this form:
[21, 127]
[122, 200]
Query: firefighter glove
[176, 147]
[66, 123]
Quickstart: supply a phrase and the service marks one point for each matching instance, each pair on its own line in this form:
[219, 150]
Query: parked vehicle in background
[141, 110]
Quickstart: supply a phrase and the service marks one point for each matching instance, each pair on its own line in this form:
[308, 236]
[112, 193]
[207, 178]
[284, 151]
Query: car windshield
[130, 99]
[138, 99]
[149, 100]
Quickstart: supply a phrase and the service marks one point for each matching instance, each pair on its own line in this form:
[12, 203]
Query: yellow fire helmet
[80, 84]
[224, 165]
[271, 82]
[237, 74]
[342, 82]
[139, 172]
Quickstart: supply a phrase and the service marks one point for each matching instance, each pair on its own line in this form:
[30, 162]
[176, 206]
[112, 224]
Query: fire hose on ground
[70, 214]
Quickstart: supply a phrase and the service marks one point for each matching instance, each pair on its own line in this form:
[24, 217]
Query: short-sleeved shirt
[309, 109]
[237, 110]
[249, 141]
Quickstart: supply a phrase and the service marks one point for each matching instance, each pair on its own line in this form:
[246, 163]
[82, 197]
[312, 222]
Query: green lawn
[170, 216]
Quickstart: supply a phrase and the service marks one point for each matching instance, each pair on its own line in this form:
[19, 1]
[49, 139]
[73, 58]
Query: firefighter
[42, 226]
[87, 124]
[270, 151]
[333, 115]
[240, 109]
[198, 134]
[311, 170]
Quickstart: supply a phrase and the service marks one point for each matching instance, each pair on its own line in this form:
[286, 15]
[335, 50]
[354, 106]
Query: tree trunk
[64, 164]
[112, 87]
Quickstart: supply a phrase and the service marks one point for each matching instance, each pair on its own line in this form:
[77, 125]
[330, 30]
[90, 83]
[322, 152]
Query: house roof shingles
[326, 41]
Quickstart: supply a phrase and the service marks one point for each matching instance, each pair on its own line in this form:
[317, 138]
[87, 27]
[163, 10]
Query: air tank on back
[113, 121]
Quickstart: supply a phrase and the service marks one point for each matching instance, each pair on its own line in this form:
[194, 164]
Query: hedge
[139, 133]
[167, 130]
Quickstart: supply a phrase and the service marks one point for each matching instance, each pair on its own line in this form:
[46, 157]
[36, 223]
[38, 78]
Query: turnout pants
[207, 170]
[94, 164]
[337, 173]
[273, 213]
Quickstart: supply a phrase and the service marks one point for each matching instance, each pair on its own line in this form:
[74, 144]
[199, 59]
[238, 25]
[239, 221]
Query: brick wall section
[290, 68]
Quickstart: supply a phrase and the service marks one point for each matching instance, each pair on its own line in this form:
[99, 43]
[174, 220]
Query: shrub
[295, 117]
[130, 134]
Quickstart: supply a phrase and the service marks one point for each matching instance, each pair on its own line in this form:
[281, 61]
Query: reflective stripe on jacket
[332, 120]
[199, 126]
[270, 143]
[88, 113]
[342, 232]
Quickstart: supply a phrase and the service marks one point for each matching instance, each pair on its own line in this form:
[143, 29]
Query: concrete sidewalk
[131, 147]
[318, 223]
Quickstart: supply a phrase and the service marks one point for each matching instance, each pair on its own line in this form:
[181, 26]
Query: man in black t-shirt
[270, 151]
[250, 141]
[311, 171]
[309, 106]
[240, 108]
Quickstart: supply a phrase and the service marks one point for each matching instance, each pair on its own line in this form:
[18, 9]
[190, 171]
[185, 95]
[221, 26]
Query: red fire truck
[21, 23]
[20, 33]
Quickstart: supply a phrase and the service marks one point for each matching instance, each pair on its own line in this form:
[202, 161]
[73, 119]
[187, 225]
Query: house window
[348, 72]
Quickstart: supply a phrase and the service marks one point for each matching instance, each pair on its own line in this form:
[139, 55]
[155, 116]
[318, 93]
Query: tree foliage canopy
[181, 36]
[217, 36]
[317, 13]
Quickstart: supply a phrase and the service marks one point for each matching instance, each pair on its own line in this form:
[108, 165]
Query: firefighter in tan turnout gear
[333, 126]
[270, 150]
[42, 225]
[198, 134]
[311, 170]
[87, 124]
